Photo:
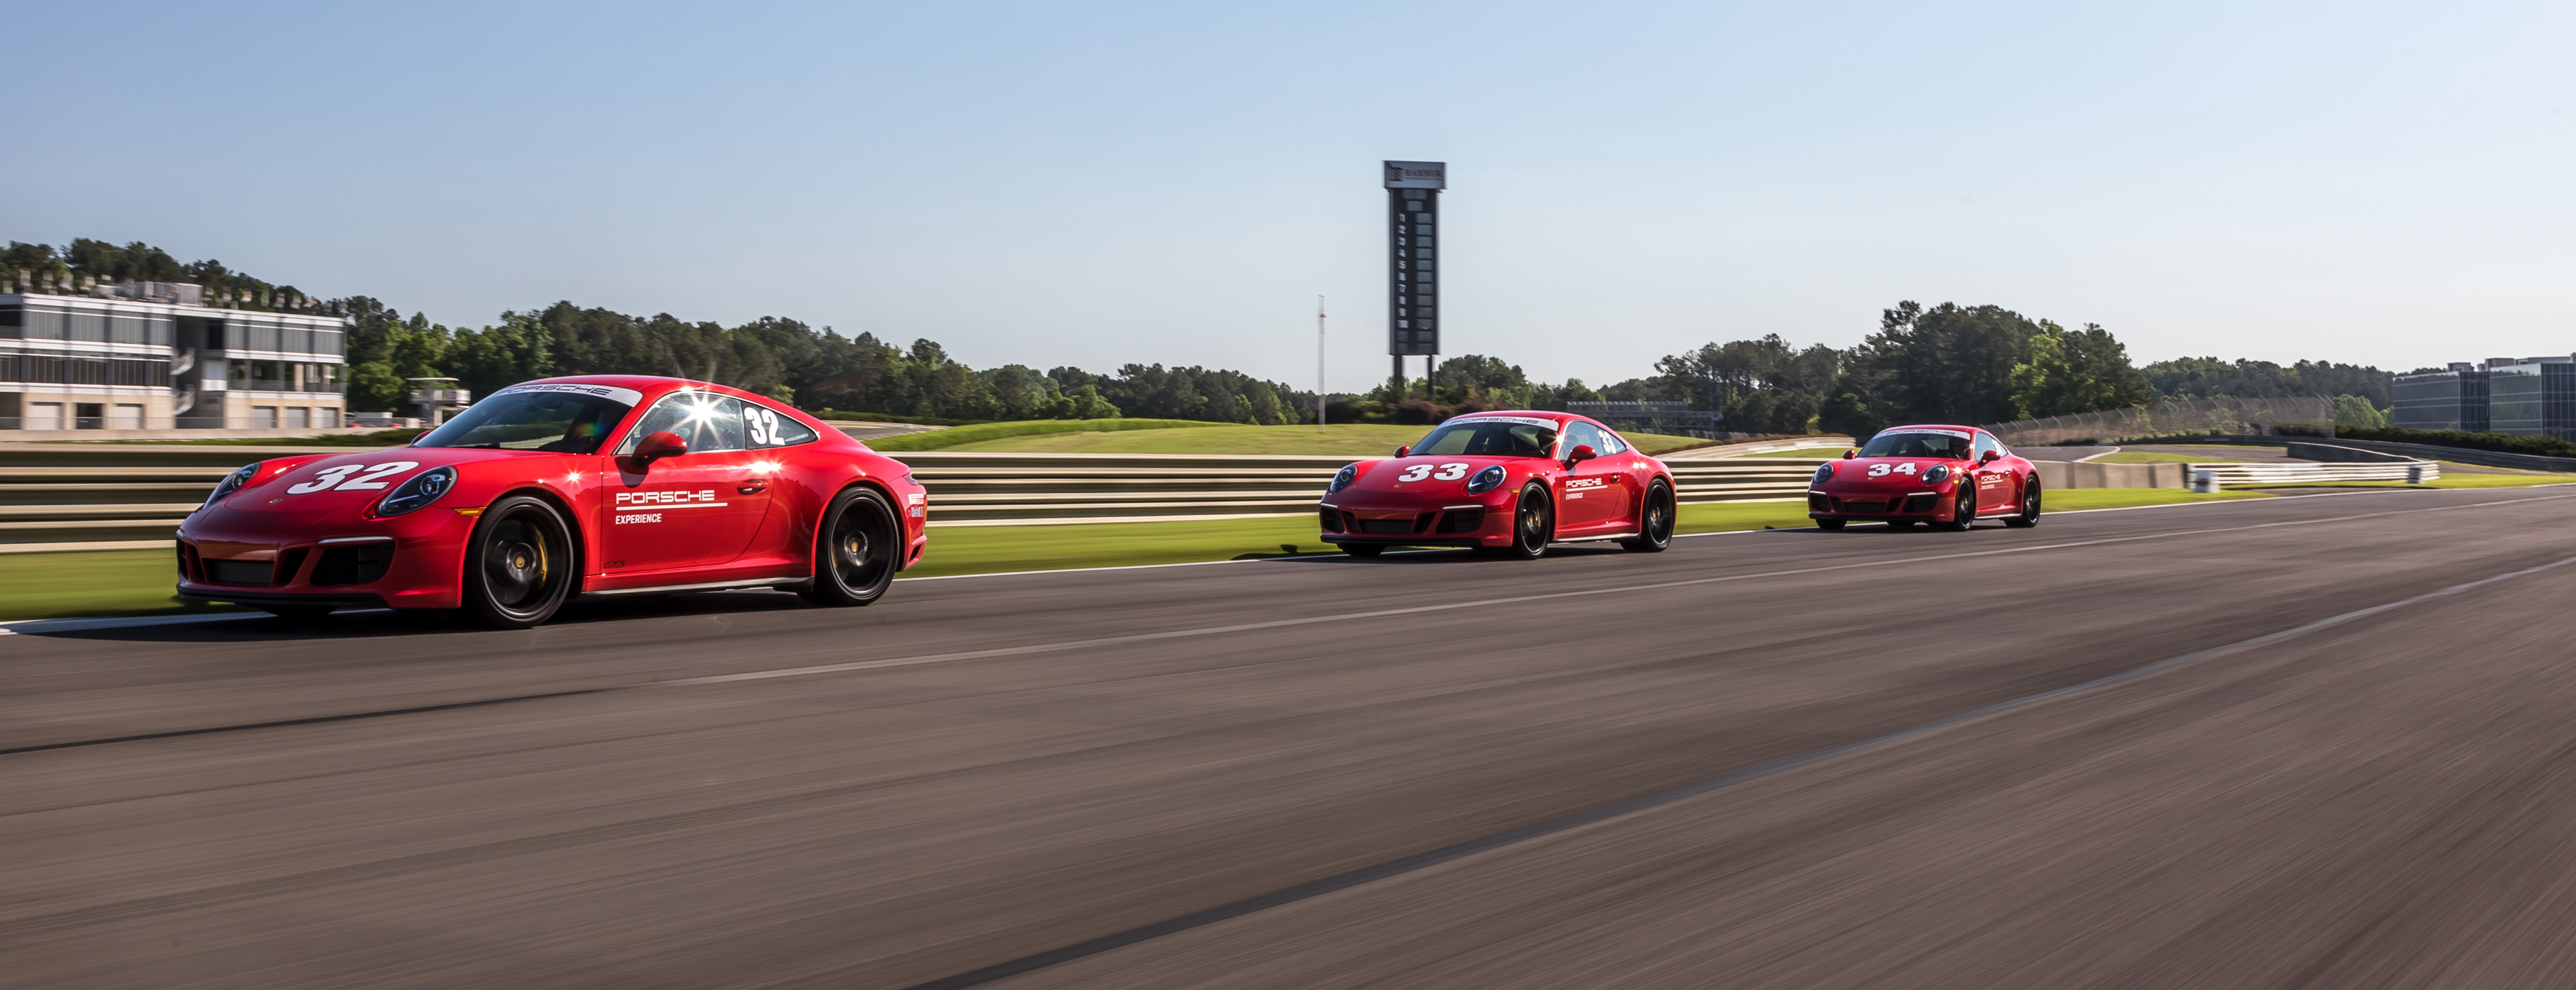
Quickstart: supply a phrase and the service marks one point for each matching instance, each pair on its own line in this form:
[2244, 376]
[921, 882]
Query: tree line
[1974, 365]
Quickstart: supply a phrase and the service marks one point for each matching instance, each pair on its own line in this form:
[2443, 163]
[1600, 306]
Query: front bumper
[1930, 506]
[1477, 521]
[412, 561]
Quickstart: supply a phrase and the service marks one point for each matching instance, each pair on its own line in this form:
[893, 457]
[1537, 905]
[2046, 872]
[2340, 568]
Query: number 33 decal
[1880, 470]
[1446, 472]
[340, 476]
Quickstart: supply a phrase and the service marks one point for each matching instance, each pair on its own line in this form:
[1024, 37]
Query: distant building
[2526, 396]
[148, 356]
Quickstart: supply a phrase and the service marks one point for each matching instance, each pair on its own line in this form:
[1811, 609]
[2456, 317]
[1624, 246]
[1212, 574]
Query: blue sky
[1093, 185]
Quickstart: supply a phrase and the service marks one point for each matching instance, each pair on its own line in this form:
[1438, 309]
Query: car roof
[652, 386]
[1932, 426]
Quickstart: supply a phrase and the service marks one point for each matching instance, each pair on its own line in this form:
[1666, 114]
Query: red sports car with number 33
[1947, 475]
[598, 485]
[1505, 483]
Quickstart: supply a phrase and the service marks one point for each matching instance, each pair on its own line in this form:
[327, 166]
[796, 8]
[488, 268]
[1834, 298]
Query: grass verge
[978, 436]
[1339, 439]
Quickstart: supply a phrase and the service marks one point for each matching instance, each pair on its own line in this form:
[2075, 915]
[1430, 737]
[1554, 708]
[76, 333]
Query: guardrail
[2293, 473]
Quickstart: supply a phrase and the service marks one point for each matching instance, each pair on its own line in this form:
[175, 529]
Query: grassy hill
[1349, 439]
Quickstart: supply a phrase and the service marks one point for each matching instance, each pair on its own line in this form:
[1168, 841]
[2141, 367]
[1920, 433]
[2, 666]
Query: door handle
[753, 487]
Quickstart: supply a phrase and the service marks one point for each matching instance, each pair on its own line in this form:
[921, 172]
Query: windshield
[559, 422]
[1490, 437]
[1917, 445]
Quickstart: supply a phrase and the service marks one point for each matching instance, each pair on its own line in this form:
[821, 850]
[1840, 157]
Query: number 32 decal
[340, 477]
[1880, 470]
[1447, 472]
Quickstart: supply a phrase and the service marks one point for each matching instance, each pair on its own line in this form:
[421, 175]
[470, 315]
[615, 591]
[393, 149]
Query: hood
[345, 484]
[1427, 470]
[1858, 471]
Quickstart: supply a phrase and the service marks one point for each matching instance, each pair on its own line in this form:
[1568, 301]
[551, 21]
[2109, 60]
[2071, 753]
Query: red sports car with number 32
[1950, 476]
[599, 485]
[1506, 483]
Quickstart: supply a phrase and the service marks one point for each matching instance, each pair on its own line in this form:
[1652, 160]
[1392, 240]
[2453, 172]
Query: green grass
[1804, 453]
[1340, 439]
[138, 582]
[980, 435]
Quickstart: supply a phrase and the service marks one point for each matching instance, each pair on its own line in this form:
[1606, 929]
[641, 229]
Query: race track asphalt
[2289, 742]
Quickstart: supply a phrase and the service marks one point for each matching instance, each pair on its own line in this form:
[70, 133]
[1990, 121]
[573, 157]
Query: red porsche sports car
[1949, 475]
[1506, 483]
[595, 485]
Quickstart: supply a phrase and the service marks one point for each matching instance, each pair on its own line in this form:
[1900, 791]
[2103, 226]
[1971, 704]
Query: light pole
[1319, 364]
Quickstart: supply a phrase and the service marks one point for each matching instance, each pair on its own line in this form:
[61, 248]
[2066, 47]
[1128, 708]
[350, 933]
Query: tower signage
[1413, 259]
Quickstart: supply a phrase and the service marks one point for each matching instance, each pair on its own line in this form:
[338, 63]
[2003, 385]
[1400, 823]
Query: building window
[299, 417]
[326, 417]
[88, 327]
[44, 325]
[125, 417]
[263, 417]
[44, 415]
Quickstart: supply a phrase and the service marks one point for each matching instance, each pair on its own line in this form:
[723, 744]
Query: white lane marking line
[1081, 644]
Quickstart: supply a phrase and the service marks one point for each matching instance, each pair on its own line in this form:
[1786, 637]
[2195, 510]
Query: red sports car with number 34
[1950, 476]
[1506, 483]
[599, 485]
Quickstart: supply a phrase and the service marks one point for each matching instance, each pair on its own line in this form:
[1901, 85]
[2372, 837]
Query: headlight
[1936, 474]
[233, 482]
[422, 489]
[1824, 473]
[1486, 480]
[1342, 479]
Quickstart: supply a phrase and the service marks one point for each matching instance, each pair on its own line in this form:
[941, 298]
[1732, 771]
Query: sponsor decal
[610, 392]
[346, 477]
[1523, 420]
[669, 499]
[1584, 484]
[627, 518]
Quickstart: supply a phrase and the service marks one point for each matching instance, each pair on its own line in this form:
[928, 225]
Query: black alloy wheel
[855, 550]
[1831, 525]
[519, 565]
[1533, 524]
[1363, 549]
[1963, 511]
[2029, 516]
[1654, 522]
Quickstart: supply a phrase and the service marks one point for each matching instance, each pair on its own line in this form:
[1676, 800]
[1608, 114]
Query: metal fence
[2300, 416]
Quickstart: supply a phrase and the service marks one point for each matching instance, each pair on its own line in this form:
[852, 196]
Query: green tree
[2075, 372]
[2352, 412]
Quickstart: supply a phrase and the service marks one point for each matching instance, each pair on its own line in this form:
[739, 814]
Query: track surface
[734, 790]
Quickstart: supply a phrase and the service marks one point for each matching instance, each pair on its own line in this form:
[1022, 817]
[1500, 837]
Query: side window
[1611, 442]
[1984, 443]
[766, 427]
[1585, 435]
[707, 422]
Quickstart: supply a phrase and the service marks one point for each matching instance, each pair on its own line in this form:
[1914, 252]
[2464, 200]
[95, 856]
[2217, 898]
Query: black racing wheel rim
[526, 562]
[1964, 513]
[1659, 515]
[861, 545]
[1529, 525]
[2030, 504]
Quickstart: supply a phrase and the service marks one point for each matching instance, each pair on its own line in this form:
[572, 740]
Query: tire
[298, 614]
[856, 547]
[1963, 510]
[1363, 549]
[519, 564]
[1832, 525]
[2029, 516]
[1533, 524]
[1654, 521]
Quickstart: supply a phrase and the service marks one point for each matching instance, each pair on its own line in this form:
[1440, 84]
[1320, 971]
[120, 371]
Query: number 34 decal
[1446, 472]
[340, 477]
[1880, 470]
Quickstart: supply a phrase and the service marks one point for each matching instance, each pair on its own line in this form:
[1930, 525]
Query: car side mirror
[1849, 454]
[1404, 451]
[1581, 452]
[660, 445]
[1990, 457]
